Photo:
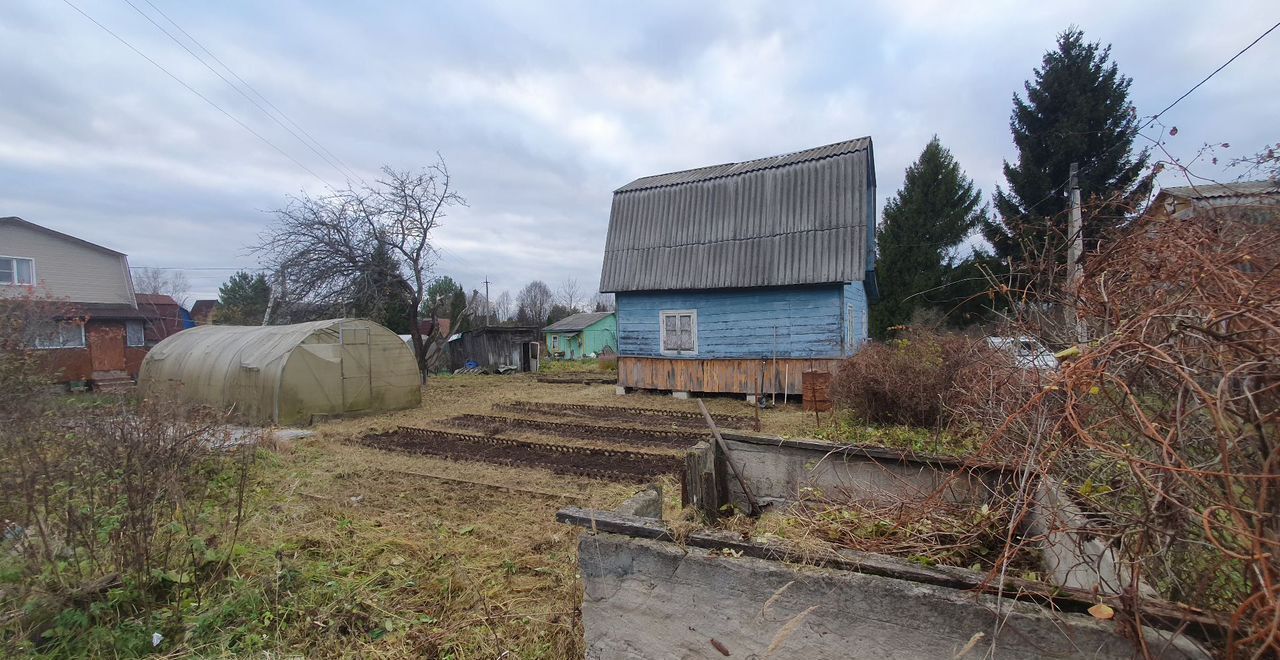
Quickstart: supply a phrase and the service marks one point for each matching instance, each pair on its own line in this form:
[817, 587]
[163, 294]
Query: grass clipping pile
[929, 533]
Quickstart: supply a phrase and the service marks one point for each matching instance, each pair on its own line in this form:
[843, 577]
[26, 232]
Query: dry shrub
[986, 393]
[905, 380]
[106, 500]
[1164, 429]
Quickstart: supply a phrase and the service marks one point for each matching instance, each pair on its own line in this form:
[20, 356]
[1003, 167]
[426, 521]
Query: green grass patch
[847, 429]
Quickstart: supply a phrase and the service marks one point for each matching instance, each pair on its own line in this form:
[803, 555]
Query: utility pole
[276, 298]
[487, 304]
[1075, 249]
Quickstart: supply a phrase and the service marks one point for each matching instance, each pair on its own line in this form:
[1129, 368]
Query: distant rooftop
[1237, 189]
[577, 322]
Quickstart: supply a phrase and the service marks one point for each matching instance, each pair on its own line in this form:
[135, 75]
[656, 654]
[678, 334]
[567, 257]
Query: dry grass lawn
[377, 554]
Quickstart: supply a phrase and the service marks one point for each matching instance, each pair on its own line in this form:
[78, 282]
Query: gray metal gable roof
[798, 218]
[1237, 189]
[577, 322]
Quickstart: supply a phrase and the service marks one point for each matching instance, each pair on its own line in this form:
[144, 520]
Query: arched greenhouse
[286, 374]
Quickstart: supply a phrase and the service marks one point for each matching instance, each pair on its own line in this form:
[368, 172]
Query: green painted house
[581, 335]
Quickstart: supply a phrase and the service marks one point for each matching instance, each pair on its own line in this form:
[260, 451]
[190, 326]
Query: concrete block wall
[655, 599]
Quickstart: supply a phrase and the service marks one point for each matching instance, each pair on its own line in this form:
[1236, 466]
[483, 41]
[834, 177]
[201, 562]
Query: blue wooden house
[732, 275]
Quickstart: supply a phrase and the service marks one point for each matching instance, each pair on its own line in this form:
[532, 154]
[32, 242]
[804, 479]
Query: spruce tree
[381, 293]
[1076, 110]
[923, 224]
[242, 299]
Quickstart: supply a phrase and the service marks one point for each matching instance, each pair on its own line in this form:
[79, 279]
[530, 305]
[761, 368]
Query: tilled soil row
[493, 425]
[680, 418]
[614, 465]
[578, 379]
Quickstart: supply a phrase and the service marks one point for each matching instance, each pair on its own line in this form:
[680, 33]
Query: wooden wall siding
[734, 376]
[790, 322]
[491, 348]
[856, 312]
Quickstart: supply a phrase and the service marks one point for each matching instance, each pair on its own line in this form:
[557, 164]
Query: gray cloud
[541, 111]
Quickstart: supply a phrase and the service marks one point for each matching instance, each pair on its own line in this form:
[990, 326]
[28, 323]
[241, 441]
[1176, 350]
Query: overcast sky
[541, 110]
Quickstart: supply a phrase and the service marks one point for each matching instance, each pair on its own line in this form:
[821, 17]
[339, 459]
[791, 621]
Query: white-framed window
[555, 342]
[679, 330]
[17, 270]
[135, 333]
[59, 334]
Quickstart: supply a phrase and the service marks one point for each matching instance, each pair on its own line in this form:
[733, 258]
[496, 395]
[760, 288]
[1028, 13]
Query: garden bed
[914, 554]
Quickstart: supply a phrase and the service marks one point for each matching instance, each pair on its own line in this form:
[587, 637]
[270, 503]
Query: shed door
[356, 373]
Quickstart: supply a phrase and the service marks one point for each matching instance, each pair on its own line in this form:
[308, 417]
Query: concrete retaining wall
[776, 470]
[654, 599]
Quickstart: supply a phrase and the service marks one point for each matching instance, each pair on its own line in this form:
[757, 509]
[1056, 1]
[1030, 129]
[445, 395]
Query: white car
[1027, 352]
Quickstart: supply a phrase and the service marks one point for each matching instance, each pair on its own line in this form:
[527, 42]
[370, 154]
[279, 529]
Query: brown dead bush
[906, 380]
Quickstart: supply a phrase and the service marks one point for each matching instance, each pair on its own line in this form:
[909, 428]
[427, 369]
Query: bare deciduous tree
[172, 283]
[502, 307]
[479, 309]
[603, 302]
[329, 246]
[534, 303]
[570, 294]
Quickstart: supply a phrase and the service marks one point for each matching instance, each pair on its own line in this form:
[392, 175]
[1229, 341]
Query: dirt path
[614, 465]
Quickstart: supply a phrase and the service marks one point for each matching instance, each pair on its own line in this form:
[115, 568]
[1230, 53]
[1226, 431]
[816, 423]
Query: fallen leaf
[1102, 611]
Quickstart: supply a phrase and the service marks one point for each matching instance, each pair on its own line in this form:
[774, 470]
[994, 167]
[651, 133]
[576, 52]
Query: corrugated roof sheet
[577, 322]
[1238, 189]
[798, 218]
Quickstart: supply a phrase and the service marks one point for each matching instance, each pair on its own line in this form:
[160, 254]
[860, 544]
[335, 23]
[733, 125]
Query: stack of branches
[1164, 427]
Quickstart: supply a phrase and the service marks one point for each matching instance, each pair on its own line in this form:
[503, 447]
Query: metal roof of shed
[1236, 189]
[577, 322]
[796, 218]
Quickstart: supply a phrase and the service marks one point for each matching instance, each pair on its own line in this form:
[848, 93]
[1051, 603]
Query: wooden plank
[723, 458]
[816, 386]
[700, 488]
[1166, 615]
[739, 376]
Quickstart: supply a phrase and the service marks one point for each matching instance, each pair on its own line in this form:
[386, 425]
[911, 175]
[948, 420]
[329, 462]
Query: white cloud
[541, 112]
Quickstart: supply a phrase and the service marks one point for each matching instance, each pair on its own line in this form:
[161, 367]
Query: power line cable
[326, 159]
[1215, 72]
[197, 93]
[254, 90]
[248, 268]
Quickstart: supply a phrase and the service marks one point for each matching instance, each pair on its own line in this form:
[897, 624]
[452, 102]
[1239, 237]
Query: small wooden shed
[730, 275]
[496, 347]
